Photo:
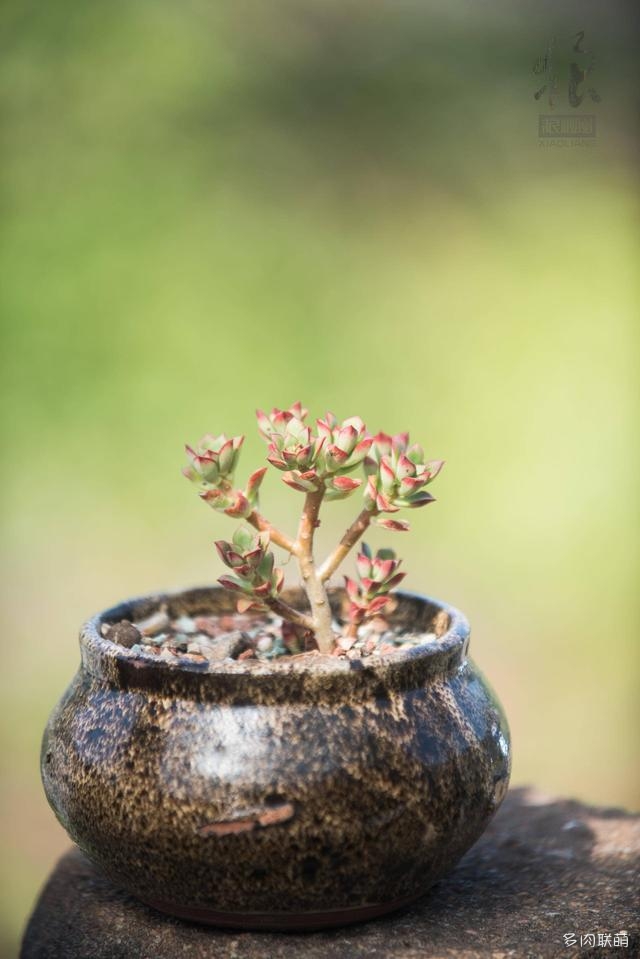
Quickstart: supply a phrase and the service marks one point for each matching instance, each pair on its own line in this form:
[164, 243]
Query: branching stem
[313, 578]
[287, 612]
[348, 541]
[275, 535]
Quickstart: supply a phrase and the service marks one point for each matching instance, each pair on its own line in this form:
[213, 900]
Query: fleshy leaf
[396, 525]
[231, 582]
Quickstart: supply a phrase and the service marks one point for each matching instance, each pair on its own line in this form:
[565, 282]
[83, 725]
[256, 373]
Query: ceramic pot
[296, 793]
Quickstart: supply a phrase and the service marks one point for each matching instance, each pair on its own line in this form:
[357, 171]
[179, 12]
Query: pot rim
[300, 676]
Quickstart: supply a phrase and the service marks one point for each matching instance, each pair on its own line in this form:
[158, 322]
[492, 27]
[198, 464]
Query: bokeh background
[211, 207]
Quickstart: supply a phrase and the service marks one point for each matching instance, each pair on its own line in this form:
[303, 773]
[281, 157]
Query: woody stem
[313, 584]
[287, 612]
[348, 541]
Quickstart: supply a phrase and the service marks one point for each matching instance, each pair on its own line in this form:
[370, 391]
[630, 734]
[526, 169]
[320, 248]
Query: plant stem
[275, 535]
[259, 522]
[352, 629]
[313, 585]
[347, 542]
[289, 613]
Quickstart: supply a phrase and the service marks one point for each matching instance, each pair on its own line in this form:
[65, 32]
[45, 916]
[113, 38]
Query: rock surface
[544, 869]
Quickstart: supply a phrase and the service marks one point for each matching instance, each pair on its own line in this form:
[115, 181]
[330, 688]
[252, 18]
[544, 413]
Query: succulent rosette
[253, 568]
[345, 444]
[292, 447]
[214, 459]
[212, 465]
[377, 576]
[235, 502]
[311, 462]
[276, 420]
[397, 477]
[344, 448]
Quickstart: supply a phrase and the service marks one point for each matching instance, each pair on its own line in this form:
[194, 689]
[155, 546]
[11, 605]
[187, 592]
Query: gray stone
[227, 646]
[532, 878]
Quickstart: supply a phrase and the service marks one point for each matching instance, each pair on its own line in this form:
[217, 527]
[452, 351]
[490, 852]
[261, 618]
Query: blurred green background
[211, 207]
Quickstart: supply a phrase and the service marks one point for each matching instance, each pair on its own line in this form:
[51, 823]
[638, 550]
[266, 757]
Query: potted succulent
[254, 756]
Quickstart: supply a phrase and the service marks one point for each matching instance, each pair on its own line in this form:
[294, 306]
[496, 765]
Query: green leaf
[243, 538]
[385, 553]
[265, 567]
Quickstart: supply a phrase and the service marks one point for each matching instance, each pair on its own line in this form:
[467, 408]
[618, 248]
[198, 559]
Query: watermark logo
[575, 72]
[567, 125]
[620, 939]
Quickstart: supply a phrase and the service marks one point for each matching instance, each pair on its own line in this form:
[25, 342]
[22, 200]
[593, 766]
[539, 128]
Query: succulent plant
[253, 566]
[314, 461]
[377, 576]
[318, 463]
[396, 476]
[214, 458]
[211, 467]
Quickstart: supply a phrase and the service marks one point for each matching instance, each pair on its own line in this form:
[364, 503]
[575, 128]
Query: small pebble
[156, 623]
[278, 649]
[208, 626]
[203, 640]
[440, 624]
[150, 641]
[346, 642]
[123, 633]
[228, 646]
[192, 658]
[185, 624]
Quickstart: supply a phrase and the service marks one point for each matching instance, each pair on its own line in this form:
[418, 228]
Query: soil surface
[546, 873]
[254, 636]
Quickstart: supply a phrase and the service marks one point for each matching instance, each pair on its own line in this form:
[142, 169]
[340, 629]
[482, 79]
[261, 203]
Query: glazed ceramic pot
[296, 793]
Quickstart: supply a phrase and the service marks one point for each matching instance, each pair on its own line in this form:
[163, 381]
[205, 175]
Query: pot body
[280, 798]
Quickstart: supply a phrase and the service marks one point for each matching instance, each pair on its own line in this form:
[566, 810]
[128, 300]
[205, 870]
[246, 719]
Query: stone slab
[544, 869]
